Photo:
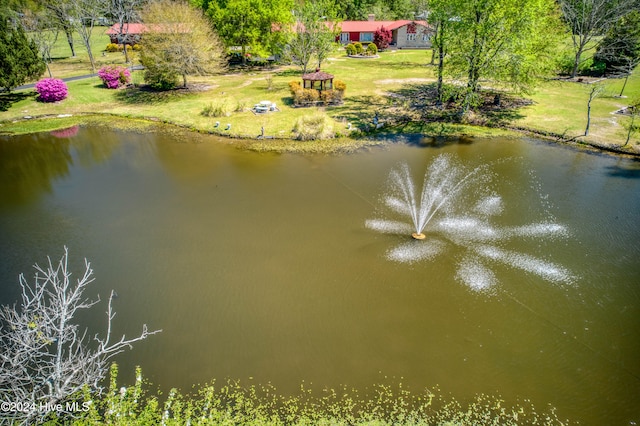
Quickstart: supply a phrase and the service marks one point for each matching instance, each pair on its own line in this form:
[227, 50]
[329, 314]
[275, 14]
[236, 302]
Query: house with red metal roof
[131, 33]
[406, 34]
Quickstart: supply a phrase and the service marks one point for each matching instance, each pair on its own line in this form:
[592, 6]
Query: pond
[261, 267]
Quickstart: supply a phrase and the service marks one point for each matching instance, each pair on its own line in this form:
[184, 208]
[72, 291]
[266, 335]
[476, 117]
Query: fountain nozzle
[418, 236]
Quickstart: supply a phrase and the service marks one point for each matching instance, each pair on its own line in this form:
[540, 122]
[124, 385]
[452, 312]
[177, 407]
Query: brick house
[406, 34]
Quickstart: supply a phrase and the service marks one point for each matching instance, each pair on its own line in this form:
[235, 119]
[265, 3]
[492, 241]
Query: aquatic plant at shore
[234, 403]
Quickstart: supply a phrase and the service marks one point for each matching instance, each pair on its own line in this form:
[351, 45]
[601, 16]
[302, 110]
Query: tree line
[514, 42]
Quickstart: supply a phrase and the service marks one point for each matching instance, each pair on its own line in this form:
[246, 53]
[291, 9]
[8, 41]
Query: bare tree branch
[591, 18]
[45, 358]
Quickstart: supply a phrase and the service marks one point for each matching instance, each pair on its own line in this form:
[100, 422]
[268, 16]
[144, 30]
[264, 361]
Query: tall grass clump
[216, 110]
[313, 127]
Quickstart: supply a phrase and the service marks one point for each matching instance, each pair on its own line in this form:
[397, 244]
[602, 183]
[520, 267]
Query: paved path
[78, 77]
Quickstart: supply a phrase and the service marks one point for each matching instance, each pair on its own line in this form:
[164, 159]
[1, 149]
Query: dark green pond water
[261, 266]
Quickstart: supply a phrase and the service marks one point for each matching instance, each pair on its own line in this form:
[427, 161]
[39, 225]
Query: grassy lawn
[64, 65]
[559, 107]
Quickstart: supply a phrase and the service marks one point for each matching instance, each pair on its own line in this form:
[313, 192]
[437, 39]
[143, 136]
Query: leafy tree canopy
[509, 42]
[181, 43]
[251, 25]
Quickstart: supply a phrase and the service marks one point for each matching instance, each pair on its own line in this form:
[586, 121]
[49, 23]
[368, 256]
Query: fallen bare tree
[46, 359]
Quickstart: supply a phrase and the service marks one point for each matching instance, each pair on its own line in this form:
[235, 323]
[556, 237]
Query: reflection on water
[261, 265]
[29, 165]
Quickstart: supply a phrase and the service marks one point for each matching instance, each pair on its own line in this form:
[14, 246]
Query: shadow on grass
[402, 65]
[287, 101]
[8, 99]
[147, 95]
[361, 110]
[494, 109]
[289, 73]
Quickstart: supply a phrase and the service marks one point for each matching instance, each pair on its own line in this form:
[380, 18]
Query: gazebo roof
[317, 76]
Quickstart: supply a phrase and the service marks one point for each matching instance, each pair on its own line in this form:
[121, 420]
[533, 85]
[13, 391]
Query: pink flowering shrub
[51, 90]
[114, 76]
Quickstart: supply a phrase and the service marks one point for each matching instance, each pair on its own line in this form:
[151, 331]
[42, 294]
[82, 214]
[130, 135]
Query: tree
[257, 26]
[45, 357]
[634, 111]
[510, 41]
[314, 33]
[43, 32]
[20, 59]
[588, 19]
[180, 42]
[444, 16]
[61, 13]
[355, 10]
[84, 15]
[596, 90]
[125, 12]
[619, 50]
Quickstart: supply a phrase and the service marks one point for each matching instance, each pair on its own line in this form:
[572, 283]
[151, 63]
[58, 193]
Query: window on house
[411, 37]
[425, 37]
[344, 37]
[366, 37]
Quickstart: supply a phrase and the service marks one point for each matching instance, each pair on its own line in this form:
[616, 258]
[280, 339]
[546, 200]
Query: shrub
[160, 77]
[326, 96]
[312, 127]
[340, 86]
[51, 90]
[372, 49]
[382, 37]
[305, 96]
[294, 86]
[112, 47]
[359, 48]
[350, 49]
[114, 76]
[566, 61]
[136, 47]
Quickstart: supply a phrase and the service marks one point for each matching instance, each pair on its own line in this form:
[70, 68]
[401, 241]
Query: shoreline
[343, 144]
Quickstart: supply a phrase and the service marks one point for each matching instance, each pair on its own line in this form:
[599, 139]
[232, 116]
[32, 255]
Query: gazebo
[317, 80]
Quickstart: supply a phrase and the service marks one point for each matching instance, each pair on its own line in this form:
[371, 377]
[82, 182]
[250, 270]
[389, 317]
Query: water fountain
[455, 206]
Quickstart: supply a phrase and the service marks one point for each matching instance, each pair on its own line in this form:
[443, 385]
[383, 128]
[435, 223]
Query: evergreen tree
[20, 59]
